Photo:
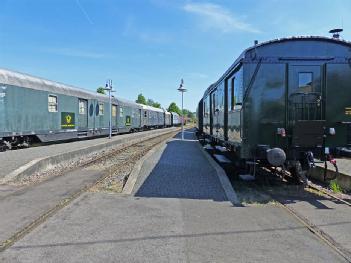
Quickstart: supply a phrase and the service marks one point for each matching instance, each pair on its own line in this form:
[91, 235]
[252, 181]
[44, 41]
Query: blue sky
[147, 46]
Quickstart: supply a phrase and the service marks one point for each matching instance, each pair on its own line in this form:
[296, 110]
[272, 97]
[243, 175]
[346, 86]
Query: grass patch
[335, 187]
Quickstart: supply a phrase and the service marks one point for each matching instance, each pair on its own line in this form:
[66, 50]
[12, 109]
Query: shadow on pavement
[182, 172]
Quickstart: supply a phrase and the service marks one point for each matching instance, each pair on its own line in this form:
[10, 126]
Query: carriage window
[145, 114]
[238, 89]
[101, 108]
[232, 94]
[214, 102]
[305, 81]
[52, 103]
[82, 107]
[114, 110]
[121, 112]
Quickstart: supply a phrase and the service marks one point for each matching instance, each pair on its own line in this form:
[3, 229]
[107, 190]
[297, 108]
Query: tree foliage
[101, 90]
[150, 102]
[174, 108]
[141, 99]
[156, 105]
[153, 103]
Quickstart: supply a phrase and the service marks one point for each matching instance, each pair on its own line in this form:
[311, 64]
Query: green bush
[335, 187]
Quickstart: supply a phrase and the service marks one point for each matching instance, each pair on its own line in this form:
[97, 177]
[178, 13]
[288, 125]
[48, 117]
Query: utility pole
[182, 90]
[108, 87]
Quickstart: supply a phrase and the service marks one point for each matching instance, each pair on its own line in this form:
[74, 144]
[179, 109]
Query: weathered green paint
[270, 77]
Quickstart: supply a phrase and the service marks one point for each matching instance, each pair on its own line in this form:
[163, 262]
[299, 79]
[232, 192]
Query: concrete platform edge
[43, 164]
[225, 183]
[344, 180]
[134, 175]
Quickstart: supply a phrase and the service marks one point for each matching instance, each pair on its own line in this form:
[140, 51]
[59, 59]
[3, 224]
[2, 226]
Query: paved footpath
[178, 212]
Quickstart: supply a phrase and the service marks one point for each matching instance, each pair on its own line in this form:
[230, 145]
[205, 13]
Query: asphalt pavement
[178, 212]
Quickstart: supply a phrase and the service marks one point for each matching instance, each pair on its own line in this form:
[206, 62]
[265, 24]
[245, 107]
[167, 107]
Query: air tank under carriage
[283, 102]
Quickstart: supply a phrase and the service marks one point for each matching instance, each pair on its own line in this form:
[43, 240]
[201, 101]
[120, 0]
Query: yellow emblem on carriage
[68, 119]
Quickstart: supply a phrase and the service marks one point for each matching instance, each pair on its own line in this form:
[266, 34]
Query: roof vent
[256, 42]
[336, 32]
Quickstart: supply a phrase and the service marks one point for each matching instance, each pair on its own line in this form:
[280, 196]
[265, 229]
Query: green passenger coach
[283, 102]
[35, 109]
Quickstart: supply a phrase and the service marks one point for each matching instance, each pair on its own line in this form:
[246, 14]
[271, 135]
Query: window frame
[85, 107]
[101, 109]
[50, 104]
[114, 110]
[232, 84]
[121, 112]
[298, 79]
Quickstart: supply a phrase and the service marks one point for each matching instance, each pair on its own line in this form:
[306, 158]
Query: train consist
[282, 103]
[38, 110]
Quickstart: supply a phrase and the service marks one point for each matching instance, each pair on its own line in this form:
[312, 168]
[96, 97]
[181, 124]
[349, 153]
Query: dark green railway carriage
[292, 94]
[34, 108]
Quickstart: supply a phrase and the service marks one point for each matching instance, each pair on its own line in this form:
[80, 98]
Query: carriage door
[83, 114]
[140, 118]
[114, 116]
[305, 104]
[215, 111]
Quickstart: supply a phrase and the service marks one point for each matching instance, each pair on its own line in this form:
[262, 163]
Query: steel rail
[4, 244]
[320, 189]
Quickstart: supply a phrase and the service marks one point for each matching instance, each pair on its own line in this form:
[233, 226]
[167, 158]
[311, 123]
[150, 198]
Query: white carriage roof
[9, 77]
[147, 107]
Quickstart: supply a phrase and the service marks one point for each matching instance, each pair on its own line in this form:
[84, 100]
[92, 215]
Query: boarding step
[207, 140]
[82, 134]
[247, 177]
[208, 147]
[221, 149]
[222, 159]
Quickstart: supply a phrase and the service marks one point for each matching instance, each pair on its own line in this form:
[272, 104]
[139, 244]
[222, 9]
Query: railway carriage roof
[9, 77]
[272, 42]
[147, 107]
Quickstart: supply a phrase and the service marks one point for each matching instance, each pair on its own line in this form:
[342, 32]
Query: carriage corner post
[182, 90]
[108, 87]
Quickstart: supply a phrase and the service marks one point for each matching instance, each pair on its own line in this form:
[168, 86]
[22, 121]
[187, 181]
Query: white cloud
[216, 17]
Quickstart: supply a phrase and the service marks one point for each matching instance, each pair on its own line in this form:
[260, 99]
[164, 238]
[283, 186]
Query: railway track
[319, 233]
[321, 190]
[322, 235]
[113, 166]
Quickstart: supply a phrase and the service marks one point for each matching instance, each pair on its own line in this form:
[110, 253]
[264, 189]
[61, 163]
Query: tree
[153, 103]
[150, 102]
[174, 108]
[141, 99]
[156, 105]
[101, 90]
